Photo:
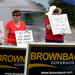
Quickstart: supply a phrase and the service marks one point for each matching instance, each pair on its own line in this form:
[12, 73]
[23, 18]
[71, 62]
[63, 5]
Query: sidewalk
[70, 38]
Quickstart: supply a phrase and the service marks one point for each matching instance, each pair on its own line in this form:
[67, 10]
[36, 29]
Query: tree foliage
[68, 9]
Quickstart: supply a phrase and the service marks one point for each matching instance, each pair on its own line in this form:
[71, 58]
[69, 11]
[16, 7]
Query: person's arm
[47, 23]
[48, 27]
[6, 36]
[25, 27]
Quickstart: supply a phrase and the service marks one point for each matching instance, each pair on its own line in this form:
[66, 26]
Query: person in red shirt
[49, 37]
[14, 25]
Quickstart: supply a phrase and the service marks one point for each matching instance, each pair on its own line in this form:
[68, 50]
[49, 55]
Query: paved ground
[39, 34]
[70, 37]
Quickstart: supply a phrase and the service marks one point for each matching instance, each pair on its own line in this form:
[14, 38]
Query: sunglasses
[56, 11]
[16, 15]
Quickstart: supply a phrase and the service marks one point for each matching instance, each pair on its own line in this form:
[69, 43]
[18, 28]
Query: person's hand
[62, 34]
[0, 31]
[5, 40]
[26, 30]
[48, 27]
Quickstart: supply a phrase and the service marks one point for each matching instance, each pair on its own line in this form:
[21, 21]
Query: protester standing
[14, 25]
[49, 37]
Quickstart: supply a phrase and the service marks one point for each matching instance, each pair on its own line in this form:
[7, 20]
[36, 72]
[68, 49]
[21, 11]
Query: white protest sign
[23, 37]
[1, 31]
[59, 24]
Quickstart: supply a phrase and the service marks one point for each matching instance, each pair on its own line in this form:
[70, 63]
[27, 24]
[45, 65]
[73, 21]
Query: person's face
[16, 16]
[56, 12]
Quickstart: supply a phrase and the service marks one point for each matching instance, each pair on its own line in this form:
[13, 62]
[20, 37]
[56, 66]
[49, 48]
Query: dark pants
[53, 41]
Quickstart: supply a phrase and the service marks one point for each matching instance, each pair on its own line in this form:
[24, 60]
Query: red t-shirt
[12, 28]
[49, 35]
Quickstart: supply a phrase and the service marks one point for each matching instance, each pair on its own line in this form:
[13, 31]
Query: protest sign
[50, 59]
[59, 24]
[1, 31]
[12, 60]
[23, 37]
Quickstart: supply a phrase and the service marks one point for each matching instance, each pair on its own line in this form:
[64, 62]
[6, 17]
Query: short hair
[16, 12]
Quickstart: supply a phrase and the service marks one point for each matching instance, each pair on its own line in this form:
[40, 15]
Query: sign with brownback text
[12, 60]
[50, 59]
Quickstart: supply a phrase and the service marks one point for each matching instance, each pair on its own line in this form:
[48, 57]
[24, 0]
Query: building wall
[5, 14]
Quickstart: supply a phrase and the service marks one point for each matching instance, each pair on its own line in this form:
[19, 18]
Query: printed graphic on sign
[12, 61]
[22, 37]
[50, 60]
[59, 24]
